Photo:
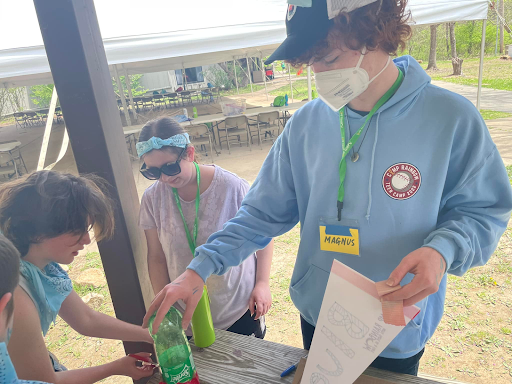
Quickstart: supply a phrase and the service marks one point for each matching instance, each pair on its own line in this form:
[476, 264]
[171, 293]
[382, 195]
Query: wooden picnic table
[235, 359]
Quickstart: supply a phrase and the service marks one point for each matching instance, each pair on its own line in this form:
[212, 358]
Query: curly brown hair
[47, 204]
[382, 24]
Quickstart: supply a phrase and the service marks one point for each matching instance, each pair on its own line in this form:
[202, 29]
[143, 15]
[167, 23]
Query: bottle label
[183, 373]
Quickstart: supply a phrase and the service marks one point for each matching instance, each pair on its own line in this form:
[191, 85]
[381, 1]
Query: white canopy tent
[158, 35]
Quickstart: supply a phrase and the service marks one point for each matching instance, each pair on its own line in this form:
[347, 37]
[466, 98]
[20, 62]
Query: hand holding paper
[351, 331]
[428, 267]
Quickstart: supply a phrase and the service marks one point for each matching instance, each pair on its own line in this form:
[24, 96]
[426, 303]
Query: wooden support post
[80, 71]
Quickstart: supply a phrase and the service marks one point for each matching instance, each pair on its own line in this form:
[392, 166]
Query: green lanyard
[191, 241]
[355, 137]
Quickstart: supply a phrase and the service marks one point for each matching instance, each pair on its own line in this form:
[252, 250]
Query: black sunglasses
[169, 169]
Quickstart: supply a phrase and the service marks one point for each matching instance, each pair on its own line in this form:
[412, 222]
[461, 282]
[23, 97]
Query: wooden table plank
[234, 359]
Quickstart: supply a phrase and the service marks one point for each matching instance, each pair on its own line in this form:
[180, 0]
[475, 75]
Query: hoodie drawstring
[371, 169]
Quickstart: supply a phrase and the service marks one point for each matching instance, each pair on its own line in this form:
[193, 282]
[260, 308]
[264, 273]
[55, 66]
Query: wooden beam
[79, 67]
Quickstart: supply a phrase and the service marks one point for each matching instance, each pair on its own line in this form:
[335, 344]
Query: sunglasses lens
[151, 173]
[171, 169]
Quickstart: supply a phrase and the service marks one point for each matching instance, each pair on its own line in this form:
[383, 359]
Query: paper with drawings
[350, 332]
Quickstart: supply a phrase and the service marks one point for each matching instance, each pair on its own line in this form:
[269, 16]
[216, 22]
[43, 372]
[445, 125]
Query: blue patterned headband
[180, 140]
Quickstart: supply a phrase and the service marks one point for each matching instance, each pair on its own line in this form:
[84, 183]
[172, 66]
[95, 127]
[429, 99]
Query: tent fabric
[444, 11]
[159, 35]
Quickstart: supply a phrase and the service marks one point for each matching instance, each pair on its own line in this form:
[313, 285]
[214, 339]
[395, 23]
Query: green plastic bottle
[173, 351]
[202, 323]
[195, 112]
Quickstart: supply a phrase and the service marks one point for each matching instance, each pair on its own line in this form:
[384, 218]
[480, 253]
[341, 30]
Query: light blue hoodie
[461, 208]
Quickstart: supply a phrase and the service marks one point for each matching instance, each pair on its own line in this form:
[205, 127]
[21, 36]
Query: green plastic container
[202, 323]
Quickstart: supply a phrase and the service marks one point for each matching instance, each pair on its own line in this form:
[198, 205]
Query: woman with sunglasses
[202, 198]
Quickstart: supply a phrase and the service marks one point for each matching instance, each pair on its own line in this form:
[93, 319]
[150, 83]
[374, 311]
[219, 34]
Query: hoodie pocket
[307, 293]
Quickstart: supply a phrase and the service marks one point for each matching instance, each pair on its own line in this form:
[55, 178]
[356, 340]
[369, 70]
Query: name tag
[339, 238]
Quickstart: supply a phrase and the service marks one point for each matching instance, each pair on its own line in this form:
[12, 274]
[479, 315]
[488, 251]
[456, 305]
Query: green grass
[242, 90]
[509, 171]
[92, 260]
[300, 90]
[84, 289]
[492, 115]
[497, 73]
[7, 121]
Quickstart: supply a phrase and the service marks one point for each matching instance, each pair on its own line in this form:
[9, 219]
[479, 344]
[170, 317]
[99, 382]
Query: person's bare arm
[157, 263]
[89, 322]
[261, 298]
[32, 361]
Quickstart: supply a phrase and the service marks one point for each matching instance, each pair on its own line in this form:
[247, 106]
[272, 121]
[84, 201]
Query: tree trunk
[433, 46]
[457, 66]
[501, 11]
[456, 61]
[447, 39]
[453, 42]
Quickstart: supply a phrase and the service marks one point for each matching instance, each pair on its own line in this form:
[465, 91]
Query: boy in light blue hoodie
[405, 169]
[9, 277]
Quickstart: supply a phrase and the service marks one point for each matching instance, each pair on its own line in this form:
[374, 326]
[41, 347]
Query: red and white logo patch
[401, 181]
[291, 11]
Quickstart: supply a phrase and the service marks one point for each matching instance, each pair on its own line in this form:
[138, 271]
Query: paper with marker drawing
[350, 332]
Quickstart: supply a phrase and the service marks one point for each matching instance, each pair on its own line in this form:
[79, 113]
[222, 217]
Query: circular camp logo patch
[291, 11]
[401, 181]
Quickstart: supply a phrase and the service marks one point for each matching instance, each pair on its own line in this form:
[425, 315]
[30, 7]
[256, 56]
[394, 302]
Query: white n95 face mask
[339, 87]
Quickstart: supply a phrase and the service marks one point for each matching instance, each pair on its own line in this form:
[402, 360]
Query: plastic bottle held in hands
[202, 322]
[173, 351]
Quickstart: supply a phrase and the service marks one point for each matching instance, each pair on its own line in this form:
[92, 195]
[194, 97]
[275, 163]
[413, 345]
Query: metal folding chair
[233, 129]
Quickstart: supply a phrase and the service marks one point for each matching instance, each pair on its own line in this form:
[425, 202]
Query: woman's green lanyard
[355, 137]
[191, 241]
[202, 322]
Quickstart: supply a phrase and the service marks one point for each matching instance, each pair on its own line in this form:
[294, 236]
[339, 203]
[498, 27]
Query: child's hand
[147, 336]
[261, 298]
[125, 366]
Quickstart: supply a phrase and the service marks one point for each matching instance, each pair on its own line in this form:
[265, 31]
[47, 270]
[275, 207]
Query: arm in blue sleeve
[473, 217]
[269, 210]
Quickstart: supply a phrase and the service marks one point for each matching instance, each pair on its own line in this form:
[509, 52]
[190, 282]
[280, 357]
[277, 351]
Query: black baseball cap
[305, 26]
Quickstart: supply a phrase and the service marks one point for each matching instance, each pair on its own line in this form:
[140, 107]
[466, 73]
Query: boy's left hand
[428, 267]
[261, 298]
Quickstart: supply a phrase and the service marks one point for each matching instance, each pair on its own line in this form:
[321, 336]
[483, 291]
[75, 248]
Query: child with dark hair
[9, 276]
[189, 198]
[48, 216]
